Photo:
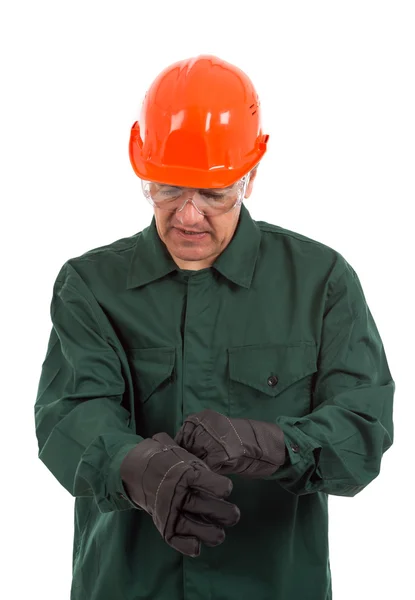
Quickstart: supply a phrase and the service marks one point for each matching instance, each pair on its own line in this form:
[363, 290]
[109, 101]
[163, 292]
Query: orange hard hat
[200, 126]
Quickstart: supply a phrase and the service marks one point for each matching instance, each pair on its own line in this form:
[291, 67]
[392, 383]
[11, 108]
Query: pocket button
[272, 380]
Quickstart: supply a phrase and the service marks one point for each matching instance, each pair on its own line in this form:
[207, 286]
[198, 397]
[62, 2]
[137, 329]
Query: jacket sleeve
[81, 426]
[338, 447]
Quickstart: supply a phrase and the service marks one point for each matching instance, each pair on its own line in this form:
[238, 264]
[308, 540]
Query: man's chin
[191, 256]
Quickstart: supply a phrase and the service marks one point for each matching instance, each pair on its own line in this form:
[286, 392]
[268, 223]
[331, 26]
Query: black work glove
[183, 496]
[253, 449]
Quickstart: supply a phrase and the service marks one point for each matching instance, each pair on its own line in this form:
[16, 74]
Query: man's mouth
[188, 233]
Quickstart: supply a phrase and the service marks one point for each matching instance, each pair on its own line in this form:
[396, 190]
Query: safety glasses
[208, 202]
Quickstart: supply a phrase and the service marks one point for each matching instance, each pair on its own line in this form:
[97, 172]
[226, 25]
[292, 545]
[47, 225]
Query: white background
[336, 83]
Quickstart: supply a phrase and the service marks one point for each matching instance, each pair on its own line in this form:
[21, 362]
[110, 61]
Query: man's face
[195, 253]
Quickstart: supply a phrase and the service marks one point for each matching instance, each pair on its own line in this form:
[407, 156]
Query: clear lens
[209, 202]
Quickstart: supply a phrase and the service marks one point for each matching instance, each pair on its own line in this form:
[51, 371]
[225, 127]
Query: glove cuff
[271, 441]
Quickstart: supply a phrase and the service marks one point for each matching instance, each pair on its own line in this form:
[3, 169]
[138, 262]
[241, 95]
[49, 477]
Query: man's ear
[251, 182]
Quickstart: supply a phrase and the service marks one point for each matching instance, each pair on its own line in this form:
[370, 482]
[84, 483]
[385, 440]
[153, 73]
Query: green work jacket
[277, 329]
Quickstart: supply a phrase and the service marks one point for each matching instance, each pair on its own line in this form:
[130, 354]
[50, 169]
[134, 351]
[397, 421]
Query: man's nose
[188, 212]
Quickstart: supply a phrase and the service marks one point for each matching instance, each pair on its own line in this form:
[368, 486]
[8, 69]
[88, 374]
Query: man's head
[193, 252]
[198, 140]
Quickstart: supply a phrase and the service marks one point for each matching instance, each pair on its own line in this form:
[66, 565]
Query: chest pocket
[150, 368]
[269, 380]
[152, 373]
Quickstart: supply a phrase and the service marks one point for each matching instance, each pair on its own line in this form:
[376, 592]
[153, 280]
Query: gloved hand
[253, 449]
[183, 496]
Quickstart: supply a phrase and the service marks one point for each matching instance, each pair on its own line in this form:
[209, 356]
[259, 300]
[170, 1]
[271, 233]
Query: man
[210, 380]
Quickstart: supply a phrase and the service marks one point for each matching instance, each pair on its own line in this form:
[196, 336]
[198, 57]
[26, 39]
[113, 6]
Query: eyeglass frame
[244, 180]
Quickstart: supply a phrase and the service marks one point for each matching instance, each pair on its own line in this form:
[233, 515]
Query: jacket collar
[151, 260]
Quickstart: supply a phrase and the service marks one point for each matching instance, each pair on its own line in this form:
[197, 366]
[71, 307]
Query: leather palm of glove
[183, 496]
[253, 449]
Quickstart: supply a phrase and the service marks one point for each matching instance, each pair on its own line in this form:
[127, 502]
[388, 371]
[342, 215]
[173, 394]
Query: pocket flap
[151, 366]
[272, 368]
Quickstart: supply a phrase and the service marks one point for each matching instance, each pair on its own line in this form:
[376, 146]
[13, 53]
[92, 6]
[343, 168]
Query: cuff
[299, 456]
[117, 490]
